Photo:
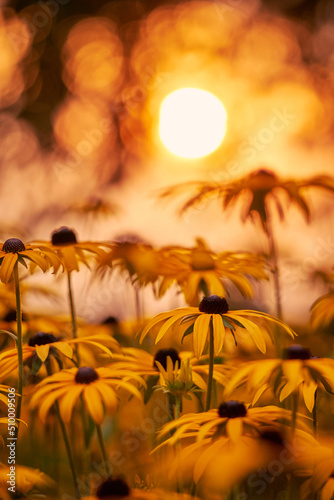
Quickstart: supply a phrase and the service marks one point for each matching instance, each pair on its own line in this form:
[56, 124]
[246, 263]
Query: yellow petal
[308, 394]
[69, 258]
[64, 348]
[234, 428]
[42, 351]
[49, 400]
[7, 266]
[168, 325]
[200, 333]
[253, 330]
[218, 332]
[94, 403]
[67, 403]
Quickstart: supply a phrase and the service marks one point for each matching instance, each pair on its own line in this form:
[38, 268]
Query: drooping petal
[64, 348]
[200, 333]
[218, 332]
[308, 394]
[67, 402]
[94, 403]
[7, 266]
[42, 351]
[234, 428]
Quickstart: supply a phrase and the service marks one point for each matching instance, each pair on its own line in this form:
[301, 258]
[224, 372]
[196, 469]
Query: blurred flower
[232, 419]
[299, 371]
[94, 206]
[322, 311]
[213, 312]
[98, 388]
[14, 250]
[144, 364]
[70, 252]
[141, 261]
[44, 344]
[199, 269]
[257, 190]
[321, 483]
[117, 488]
[26, 482]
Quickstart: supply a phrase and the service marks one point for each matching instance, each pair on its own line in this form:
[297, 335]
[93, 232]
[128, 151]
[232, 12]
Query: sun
[192, 122]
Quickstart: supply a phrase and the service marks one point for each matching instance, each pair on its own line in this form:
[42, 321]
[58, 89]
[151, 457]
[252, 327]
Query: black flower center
[110, 320]
[232, 409]
[213, 305]
[162, 355]
[63, 236]
[42, 338]
[13, 245]
[113, 488]
[297, 351]
[11, 316]
[86, 375]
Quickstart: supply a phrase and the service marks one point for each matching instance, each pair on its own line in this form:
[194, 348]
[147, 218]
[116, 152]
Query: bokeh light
[192, 122]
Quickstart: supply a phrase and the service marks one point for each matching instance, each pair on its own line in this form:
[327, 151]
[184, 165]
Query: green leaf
[188, 331]
[187, 318]
[36, 365]
[22, 261]
[10, 334]
[236, 322]
[227, 324]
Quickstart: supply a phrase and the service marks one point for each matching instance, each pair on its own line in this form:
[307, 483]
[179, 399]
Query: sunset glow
[192, 122]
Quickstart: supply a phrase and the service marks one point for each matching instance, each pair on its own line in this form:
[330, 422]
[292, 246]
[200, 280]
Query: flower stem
[294, 408]
[18, 345]
[103, 449]
[211, 361]
[68, 449]
[314, 414]
[274, 263]
[178, 402]
[73, 320]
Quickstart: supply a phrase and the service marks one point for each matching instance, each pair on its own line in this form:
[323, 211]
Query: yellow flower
[140, 260]
[116, 488]
[233, 420]
[43, 344]
[71, 252]
[321, 483]
[199, 269]
[176, 380]
[213, 313]
[144, 364]
[14, 250]
[298, 372]
[323, 311]
[26, 480]
[98, 388]
[258, 190]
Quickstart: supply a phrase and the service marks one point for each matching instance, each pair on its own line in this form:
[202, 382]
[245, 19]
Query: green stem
[103, 449]
[73, 319]
[274, 263]
[314, 414]
[294, 408]
[178, 402]
[211, 361]
[68, 449]
[18, 345]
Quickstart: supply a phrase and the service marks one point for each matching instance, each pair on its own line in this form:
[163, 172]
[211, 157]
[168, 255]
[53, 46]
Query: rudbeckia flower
[43, 344]
[321, 483]
[98, 388]
[177, 379]
[213, 315]
[140, 260]
[232, 419]
[14, 251]
[117, 488]
[322, 313]
[258, 190]
[299, 371]
[199, 269]
[71, 252]
[27, 481]
[145, 364]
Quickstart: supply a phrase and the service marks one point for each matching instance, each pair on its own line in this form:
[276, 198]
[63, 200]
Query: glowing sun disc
[192, 122]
